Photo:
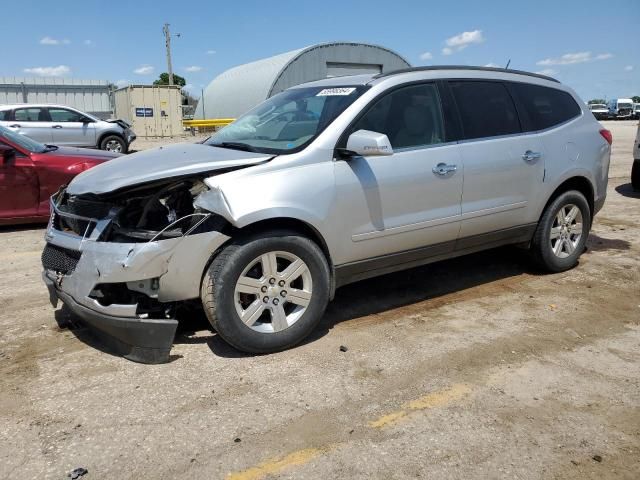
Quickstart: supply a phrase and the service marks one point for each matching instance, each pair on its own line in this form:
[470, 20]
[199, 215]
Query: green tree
[164, 80]
[597, 100]
[636, 98]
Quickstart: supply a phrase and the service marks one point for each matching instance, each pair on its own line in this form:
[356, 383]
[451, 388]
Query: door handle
[57, 126]
[15, 125]
[531, 157]
[443, 170]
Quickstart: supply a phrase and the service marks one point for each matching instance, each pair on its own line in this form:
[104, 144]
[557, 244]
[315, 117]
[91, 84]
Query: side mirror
[7, 153]
[366, 142]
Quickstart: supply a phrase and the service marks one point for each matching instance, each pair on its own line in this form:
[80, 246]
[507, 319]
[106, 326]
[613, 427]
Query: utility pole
[167, 37]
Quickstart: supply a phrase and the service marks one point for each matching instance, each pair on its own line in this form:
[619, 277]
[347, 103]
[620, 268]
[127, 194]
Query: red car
[31, 172]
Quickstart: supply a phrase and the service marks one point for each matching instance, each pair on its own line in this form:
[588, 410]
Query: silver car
[66, 126]
[325, 184]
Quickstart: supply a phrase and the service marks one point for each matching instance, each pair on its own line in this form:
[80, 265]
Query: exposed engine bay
[145, 213]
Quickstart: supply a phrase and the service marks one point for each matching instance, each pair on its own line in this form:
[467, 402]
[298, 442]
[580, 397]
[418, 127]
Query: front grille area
[81, 207]
[85, 208]
[60, 259]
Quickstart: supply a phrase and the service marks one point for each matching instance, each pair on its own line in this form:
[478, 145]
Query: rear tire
[255, 302]
[113, 143]
[562, 232]
[635, 175]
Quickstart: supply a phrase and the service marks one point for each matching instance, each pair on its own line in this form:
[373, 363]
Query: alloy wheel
[113, 146]
[566, 231]
[273, 292]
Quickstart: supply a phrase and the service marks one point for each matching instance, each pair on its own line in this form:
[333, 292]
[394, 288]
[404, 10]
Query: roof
[339, 81]
[466, 67]
[240, 88]
[139, 85]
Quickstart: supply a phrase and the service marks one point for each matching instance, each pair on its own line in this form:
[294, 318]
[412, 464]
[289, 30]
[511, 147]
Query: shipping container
[152, 110]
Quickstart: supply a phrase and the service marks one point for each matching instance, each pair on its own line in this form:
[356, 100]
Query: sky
[592, 46]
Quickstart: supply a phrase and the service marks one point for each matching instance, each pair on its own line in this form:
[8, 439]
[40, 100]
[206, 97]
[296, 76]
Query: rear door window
[546, 107]
[34, 114]
[486, 109]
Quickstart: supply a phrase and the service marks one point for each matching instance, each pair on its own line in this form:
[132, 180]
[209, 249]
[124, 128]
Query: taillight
[606, 134]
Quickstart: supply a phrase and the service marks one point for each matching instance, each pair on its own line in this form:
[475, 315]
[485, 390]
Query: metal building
[91, 96]
[152, 110]
[241, 88]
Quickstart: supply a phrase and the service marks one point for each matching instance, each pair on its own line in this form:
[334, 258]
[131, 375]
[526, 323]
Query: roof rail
[463, 67]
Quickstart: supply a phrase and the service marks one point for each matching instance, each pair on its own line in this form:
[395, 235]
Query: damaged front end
[126, 261]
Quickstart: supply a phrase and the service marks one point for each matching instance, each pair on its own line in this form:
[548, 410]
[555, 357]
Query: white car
[65, 126]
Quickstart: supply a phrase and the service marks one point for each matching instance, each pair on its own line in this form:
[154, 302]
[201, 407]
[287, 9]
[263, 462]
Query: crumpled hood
[164, 162]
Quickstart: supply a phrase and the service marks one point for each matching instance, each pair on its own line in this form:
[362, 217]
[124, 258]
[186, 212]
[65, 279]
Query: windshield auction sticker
[332, 92]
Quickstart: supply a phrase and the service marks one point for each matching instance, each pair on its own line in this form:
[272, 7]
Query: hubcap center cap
[274, 291]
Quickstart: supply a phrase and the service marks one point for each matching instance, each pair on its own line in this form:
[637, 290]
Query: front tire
[562, 232]
[113, 143]
[267, 292]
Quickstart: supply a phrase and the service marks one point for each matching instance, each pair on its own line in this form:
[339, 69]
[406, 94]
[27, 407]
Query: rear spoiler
[120, 122]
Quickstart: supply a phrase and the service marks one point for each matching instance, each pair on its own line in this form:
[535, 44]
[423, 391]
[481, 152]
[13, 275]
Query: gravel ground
[477, 367]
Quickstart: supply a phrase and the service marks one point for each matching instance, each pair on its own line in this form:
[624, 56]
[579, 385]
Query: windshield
[624, 105]
[597, 106]
[22, 141]
[288, 121]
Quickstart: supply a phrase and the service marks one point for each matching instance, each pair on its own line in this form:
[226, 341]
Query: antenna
[508, 63]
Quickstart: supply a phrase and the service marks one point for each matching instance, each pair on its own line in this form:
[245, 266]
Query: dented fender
[247, 196]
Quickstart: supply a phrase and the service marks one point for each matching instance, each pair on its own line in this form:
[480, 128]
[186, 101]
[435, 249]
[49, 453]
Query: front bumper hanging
[138, 339]
[165, 271]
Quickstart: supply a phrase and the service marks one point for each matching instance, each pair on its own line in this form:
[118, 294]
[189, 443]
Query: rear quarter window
[545, 107]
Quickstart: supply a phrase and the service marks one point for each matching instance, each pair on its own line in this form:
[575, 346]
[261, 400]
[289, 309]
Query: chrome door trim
[404, 228]
[492, 210]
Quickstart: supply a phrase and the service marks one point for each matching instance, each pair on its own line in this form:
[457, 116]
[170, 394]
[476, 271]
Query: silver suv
[325, 184]
[66, 126]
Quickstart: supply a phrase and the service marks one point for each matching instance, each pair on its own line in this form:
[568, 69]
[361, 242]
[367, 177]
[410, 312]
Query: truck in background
[620, 108]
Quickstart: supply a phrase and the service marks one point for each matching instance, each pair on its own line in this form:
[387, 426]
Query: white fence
[91, 96]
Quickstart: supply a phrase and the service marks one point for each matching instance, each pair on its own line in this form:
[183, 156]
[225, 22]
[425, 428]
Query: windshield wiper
[50, 148]
[234, 146]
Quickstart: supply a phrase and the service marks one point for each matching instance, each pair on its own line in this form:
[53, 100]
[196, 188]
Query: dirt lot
[473, 368]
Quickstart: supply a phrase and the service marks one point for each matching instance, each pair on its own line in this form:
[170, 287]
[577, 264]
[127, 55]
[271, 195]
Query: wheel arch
[284, 223]
[109, 134]
[579, 183]
[290, 223]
